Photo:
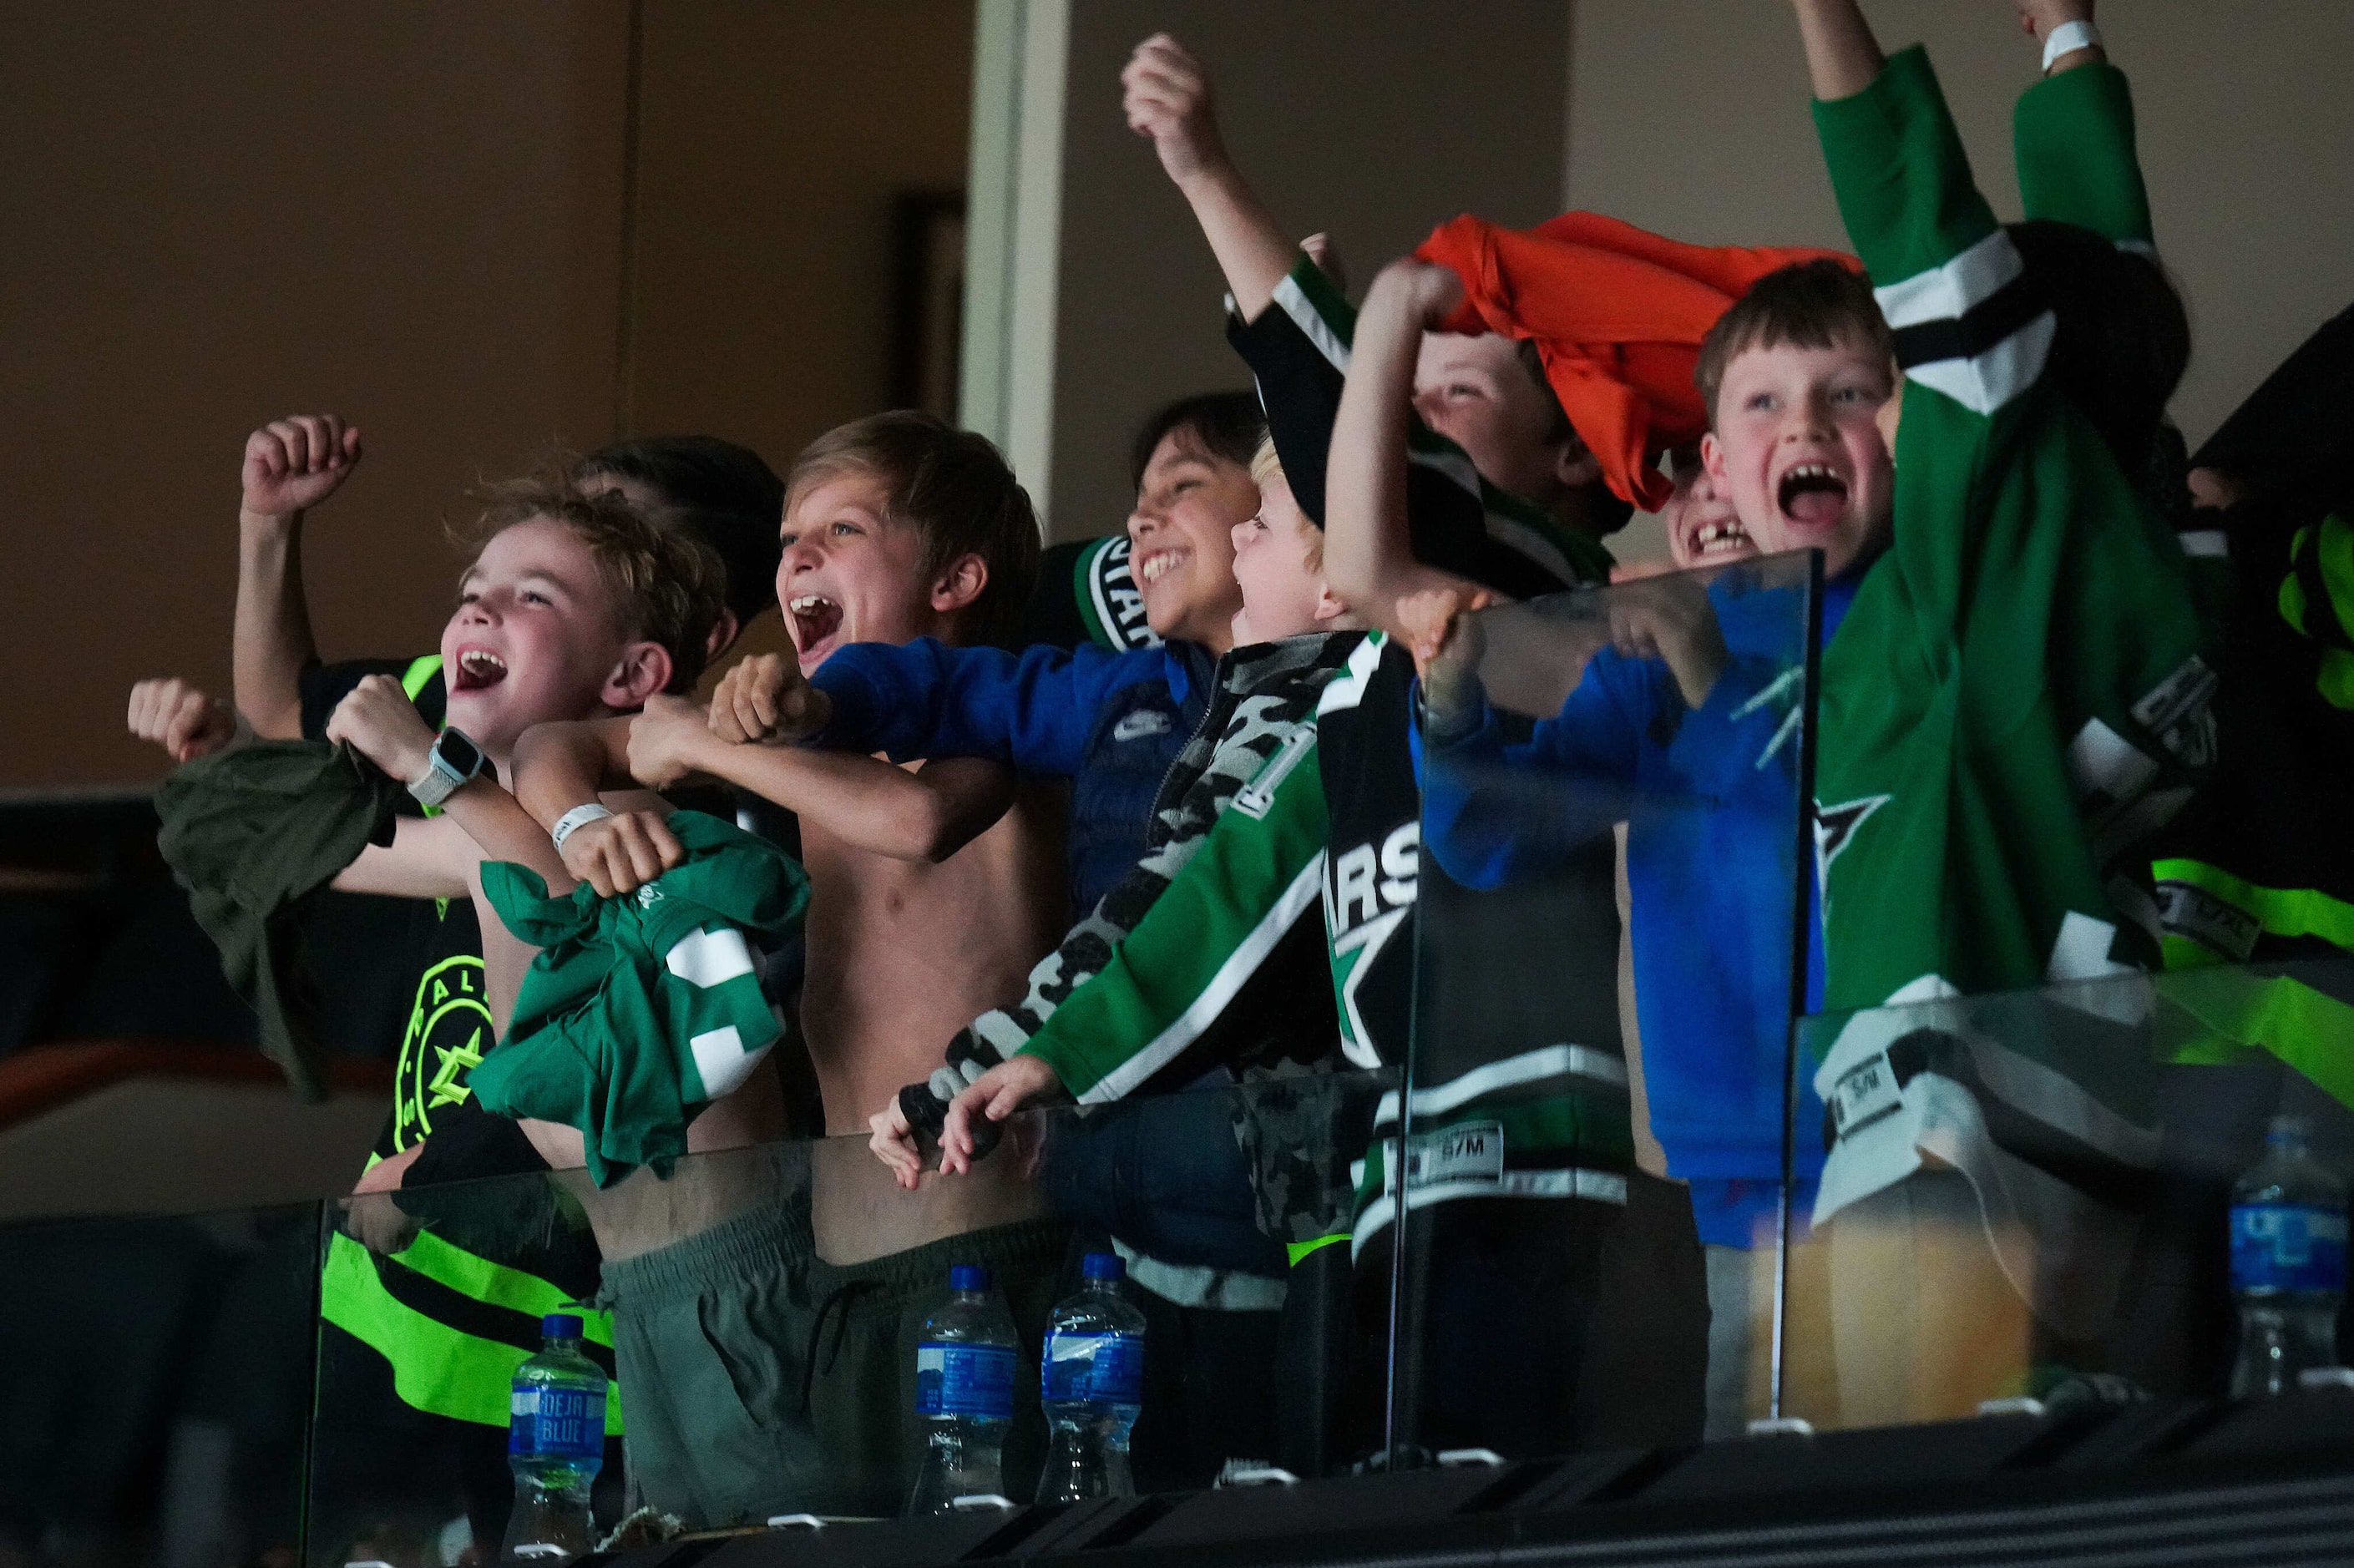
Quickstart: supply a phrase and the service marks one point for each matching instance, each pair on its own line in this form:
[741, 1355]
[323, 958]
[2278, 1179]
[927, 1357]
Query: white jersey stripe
[1304, 893]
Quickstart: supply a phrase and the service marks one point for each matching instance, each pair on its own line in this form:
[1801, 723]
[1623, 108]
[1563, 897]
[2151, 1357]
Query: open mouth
[478, 670]
[1159, 565]
[1811, 495]
[1718, 539]
[814, 618]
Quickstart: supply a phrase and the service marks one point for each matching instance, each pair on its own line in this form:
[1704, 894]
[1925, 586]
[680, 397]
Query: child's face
[1702, 528]
[537, 635]
[1281, 592]
[853, 573]
[1798, 450]
[1182, 530]
[1476, 392]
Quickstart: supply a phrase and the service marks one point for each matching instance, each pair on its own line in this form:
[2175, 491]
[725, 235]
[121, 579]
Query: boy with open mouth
[895, 528]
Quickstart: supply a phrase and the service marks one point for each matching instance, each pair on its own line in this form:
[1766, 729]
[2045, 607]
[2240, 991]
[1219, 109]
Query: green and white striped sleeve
[1257, 874]
[1950, 282]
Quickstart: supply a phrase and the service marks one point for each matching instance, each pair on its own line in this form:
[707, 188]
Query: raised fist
[2037, 17]
[1165, 94]
[292, 464]
[180, 719]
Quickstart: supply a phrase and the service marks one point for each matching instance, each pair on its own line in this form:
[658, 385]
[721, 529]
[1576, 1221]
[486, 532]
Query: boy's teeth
[1156, 566]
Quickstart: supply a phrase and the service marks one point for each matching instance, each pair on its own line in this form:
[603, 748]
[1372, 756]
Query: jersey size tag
[1863, 1094]
[2185, 910]
[1473, 1151]
[2177, 711]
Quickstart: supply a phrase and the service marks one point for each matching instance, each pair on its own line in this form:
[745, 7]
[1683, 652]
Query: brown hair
[1821, 304]
[954, 489]
[1224, 425]
[669, 579]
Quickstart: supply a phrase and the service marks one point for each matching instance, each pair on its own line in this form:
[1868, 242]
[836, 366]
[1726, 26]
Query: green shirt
[640, 1010]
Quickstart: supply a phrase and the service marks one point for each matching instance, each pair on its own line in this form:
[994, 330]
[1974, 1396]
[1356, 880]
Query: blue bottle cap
[1104, 1265]
[968, 1277]
[560, 1325]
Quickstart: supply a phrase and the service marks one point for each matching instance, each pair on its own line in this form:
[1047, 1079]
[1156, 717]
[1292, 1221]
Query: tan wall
[1375, 119]
[413, 216]
[1690, 116]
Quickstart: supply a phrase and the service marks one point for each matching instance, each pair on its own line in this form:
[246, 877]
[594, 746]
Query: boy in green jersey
[2013, 701]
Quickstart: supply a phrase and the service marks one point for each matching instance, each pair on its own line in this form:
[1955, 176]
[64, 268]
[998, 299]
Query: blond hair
[1266, 467]
[670, 582]
[954, 489]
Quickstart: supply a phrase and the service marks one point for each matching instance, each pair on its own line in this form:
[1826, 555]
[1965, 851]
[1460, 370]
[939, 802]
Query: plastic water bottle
[2288, 1263]
[964, 1393]
[1092, 1382]
[555, 1445]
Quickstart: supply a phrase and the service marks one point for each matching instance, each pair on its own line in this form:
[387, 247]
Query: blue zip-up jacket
[1711, 798]
[1110, 723]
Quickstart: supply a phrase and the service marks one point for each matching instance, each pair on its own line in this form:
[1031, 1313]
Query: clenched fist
[180, 719]
[292, 464]
[764, 701]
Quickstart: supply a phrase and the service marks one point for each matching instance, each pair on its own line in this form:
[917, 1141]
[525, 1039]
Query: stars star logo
[1834, 827]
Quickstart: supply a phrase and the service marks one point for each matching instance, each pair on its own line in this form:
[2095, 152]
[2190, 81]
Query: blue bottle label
[2288, 1248]
[964, 1379]
[1108, 1368]
[546, 1423]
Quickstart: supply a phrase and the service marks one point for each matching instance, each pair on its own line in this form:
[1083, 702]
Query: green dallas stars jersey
[639, 1011]
[2014, 702]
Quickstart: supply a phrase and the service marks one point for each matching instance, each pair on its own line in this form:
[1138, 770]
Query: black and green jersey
[1191, 958]
[2016, 699]
[2255, 880]
[1297, 350]
[1520, 1088]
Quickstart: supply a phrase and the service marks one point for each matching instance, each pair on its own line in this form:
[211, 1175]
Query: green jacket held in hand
[252, 833]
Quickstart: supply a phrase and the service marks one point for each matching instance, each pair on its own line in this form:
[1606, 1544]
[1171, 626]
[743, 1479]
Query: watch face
[460, 754]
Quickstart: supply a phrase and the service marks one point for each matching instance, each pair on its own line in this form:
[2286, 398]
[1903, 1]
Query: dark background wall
[425, 217]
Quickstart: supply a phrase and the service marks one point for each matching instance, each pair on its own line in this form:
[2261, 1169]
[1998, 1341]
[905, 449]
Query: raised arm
[290, 465]
[1842, 56]
[2073, 134]
[1166, 96]
[1369, 558]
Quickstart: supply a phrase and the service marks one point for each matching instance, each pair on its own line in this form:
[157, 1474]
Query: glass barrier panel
[158, 1384]
[786, 1338]
[2031, 1196]
[1605, 971]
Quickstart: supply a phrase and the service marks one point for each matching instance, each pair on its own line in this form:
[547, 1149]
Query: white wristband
[579, 817]
[2067, 38]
